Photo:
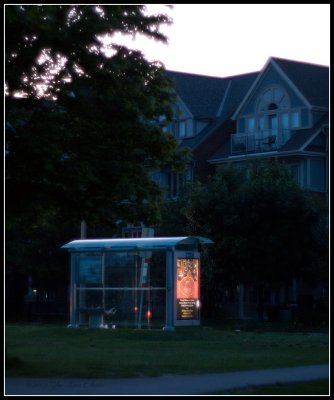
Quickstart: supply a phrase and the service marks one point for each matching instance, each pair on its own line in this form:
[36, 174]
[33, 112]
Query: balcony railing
[258, 142]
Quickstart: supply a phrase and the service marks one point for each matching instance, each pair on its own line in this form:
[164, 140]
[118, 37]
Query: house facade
[202, 119]
[278, 113]
[284, 116]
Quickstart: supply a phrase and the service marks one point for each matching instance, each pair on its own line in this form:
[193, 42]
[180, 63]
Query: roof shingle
[203, 95]
[311, 80]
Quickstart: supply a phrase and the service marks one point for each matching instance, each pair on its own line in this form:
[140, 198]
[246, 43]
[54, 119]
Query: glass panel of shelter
[121, 289]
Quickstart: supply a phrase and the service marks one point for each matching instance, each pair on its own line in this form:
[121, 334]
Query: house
[279, 113]
[284, 116]
[202, 120]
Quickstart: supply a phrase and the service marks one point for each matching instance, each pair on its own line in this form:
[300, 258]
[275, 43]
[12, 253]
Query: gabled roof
[312, 80]
[201, 94]
[219, 99]
[309, 81]
[210, 97]
[239, 85]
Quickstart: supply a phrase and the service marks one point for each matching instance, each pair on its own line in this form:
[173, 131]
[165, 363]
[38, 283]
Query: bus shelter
[135, 281]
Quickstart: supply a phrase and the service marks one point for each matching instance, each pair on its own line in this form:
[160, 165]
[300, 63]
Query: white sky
[231, 39]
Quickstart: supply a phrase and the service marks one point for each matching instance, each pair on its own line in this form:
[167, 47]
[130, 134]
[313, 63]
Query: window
[156, 177]
[261, 124]
[285, 127]
[250, 124]
[273, 120]
[188, 175]
[273, 124]
[273, 98]
[241, 125]
[182, 129]
[176, 183]
[172, 184]
[295, 120]
[162, 123]
[285, 121]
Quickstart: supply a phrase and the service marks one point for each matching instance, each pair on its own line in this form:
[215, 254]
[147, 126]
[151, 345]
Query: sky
[230, 39]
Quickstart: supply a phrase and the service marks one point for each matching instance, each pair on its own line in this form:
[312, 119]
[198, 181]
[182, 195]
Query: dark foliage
[82, 145]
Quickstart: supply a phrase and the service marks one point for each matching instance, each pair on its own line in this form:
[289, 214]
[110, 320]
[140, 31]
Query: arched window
[272, 108]
[273, 98]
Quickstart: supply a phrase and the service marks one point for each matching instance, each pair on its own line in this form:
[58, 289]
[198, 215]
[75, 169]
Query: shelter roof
[136, 244]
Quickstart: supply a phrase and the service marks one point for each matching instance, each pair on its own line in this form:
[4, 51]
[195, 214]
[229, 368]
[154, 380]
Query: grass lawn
[313, 388]
[50, 350]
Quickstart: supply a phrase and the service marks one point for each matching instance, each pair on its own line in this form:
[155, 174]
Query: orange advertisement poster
[187, 288]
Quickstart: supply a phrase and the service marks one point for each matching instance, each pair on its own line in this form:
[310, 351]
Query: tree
[266, 230]
[84, 147]
[68, 38]
[83, 130]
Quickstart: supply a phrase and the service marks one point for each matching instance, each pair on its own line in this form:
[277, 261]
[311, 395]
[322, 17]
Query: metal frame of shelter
[182, 272]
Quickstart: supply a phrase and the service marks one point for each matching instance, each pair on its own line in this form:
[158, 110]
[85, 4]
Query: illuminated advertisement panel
[187, 289]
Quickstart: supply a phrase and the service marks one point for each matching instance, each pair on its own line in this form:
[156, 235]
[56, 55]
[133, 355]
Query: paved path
[164, 385]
